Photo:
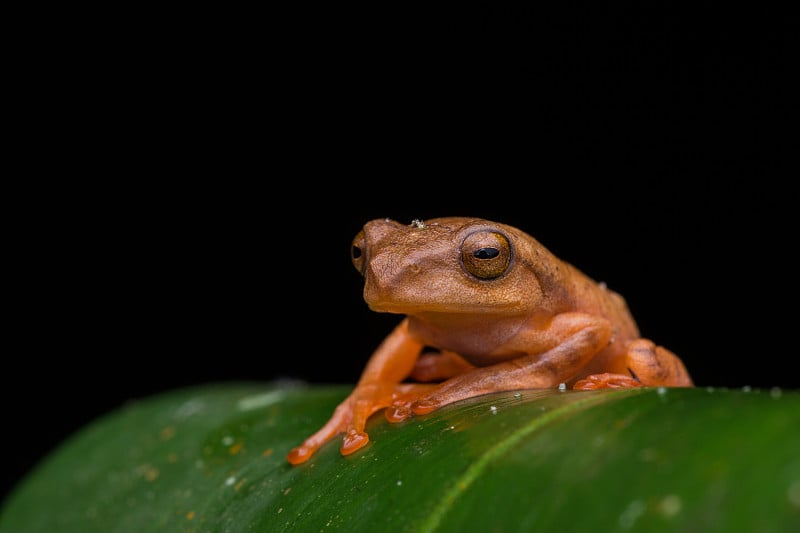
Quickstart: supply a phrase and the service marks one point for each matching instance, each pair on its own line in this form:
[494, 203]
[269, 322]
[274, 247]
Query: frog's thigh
[655, 365]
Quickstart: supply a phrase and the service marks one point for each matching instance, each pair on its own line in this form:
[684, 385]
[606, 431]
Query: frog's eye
[486, 254]
[358, 251]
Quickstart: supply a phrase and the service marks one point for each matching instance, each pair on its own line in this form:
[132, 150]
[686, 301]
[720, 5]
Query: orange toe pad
[606, 381]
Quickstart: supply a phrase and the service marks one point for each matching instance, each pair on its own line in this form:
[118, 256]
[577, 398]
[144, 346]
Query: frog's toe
[300, 454]
[606, 381]
[424, 409]
[353, 441]
[397, 412]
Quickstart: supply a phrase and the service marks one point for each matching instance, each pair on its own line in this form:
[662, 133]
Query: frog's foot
[606, 381]
[656, 366]
[353, 440]
[350, 417]
[439, 366]
[341, 421]
[405, 399]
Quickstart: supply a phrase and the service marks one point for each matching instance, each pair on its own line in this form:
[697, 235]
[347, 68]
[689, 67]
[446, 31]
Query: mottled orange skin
[502, 311]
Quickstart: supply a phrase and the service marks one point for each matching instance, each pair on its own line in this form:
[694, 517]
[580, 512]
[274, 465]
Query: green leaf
[212, 459]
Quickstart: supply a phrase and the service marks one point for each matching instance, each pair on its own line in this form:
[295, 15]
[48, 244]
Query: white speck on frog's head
[493, 409]
[399, 482]
[227, 440]
[230, 481]
[661, 391]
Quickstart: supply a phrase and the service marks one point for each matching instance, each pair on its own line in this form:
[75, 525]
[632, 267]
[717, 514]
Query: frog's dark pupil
[486, 253]
[356, 252]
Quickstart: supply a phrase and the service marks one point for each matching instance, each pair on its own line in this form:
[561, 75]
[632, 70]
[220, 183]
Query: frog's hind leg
[647, 364]
[656, 366]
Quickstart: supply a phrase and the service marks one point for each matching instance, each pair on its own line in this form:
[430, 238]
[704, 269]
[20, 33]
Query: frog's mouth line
[434, 307]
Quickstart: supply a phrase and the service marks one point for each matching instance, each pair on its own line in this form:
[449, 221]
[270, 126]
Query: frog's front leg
[647, 364]
[379, 386]
[574, 339]
[351, 416]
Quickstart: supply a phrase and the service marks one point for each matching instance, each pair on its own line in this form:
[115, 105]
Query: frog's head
[450, 265]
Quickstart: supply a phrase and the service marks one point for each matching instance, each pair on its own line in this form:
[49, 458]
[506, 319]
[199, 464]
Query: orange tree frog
[487, 309]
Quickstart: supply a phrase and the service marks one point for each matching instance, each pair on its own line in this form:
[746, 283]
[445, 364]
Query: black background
[230, 160]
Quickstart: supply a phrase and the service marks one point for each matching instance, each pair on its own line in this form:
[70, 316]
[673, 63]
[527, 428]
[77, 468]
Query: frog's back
[594, 297]
[589, 296]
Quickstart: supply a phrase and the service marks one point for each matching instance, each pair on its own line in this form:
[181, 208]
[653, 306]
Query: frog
[485, 308]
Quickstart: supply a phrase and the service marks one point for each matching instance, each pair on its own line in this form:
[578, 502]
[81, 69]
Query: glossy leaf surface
[212, 459]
